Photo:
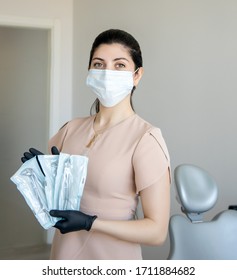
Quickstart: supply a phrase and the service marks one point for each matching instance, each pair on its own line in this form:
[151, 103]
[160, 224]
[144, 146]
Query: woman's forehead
[114, 50]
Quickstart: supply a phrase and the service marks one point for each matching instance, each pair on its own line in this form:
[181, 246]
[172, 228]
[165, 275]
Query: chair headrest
[196, 189]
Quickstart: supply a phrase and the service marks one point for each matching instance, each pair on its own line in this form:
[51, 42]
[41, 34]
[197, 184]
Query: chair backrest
[190, 236]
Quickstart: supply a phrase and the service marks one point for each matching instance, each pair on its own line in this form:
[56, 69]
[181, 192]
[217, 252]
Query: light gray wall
[57, 16]
[24, 110]
[189, 86]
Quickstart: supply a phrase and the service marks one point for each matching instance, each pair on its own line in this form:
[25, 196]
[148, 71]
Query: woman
[127, 158]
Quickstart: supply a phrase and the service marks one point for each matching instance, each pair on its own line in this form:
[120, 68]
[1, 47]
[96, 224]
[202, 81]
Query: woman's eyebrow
[98, 58]
[116, 59]
[121, 58]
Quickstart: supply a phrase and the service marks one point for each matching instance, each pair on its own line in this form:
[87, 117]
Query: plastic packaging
[61, 188]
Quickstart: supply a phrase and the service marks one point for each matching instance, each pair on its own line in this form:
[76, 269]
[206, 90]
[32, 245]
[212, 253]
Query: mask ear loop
[136, 70]
[134, 87]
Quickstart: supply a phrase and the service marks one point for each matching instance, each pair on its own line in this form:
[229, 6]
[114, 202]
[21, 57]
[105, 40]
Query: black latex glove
[35, 153]
[72, 220]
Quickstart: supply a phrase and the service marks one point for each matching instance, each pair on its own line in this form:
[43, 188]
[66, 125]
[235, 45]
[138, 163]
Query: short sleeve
[150, 160]
[58, 139]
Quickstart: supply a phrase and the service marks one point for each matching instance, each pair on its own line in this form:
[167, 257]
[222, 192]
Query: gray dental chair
[191, 238]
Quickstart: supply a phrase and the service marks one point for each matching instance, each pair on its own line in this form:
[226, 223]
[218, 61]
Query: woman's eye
[98, 65]
[120, 65]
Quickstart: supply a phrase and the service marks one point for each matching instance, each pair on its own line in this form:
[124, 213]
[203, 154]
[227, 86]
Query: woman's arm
[152, 229]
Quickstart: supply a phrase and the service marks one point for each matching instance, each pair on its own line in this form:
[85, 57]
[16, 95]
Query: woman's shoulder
[75, 122]
[151, 136]
[145, 127]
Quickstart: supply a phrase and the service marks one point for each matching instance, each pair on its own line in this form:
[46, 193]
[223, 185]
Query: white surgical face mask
[110, 86]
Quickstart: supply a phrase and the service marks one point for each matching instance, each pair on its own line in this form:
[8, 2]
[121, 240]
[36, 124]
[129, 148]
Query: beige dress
[123, 160]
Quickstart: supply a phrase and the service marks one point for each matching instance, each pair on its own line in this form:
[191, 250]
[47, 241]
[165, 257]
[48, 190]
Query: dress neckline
[104, 130]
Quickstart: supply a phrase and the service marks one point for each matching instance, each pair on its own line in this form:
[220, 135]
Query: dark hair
[112, 36]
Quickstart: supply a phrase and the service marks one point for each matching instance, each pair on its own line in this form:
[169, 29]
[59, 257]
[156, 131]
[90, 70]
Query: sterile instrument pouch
[49, 164]
[70, 181]
[61, 188]
[31, 182]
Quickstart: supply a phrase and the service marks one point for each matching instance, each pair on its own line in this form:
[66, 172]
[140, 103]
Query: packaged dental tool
[70, 181]
[79, 167]
[49, 164]
[30, 181]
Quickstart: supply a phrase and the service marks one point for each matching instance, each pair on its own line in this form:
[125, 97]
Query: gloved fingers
[35, 152]
[62, 226]
[59, 213]
[23, 159]
[72, 220]
[29, 155]
[26, 156]
[55, 151]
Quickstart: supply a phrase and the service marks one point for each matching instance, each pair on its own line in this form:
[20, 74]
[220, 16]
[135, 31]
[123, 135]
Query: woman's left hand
[72, 220]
